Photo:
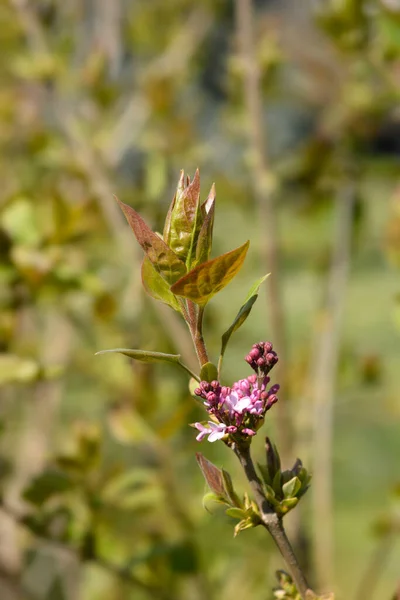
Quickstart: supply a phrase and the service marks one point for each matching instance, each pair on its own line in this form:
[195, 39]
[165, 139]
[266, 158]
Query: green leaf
[277, 483]
[269, 492]
[167, 263]
[156, 286]
[228, 485]
[236, 513]
[209, 372]
[150, 357]
[209, 278]
[291, 488]
[287, 504]
[243, 313]
[50, 483]
[184, 220]
[264, 474]
[15, 369]
[211, 497]
[144, 355]
[204, 241]
[245, 524]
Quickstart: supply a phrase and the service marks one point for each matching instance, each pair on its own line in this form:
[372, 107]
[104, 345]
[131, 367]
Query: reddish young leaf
[204, 241]
[166, 262]
[212, 475]
[207, 279]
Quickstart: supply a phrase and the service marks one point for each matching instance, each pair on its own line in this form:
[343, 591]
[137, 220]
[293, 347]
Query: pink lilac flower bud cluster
[262, 358]
[240, 409]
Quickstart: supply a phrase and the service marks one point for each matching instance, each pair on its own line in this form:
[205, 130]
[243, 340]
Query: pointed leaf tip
[165, 261]
[242, 315]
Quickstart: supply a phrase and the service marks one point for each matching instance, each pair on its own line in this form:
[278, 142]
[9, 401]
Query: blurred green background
[295, 117]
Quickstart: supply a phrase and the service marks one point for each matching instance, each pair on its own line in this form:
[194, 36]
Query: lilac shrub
[178, 271]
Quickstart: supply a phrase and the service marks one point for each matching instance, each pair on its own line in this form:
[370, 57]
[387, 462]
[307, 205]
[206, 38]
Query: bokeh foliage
[102, 98]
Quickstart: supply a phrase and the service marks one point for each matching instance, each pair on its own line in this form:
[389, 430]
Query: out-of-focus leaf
[185, 219]
[209, 278]
[132, 490]
[167, 263]
[204, 241]
[183, 558]
[14, 369]
[127, 481]
[19, 220]
[243, 313]
[208, 372]
[156, 286]
[47, 484]
[150, 357]
[175, 422]
[128, 427]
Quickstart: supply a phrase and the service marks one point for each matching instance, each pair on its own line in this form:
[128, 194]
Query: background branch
[262, 178]
[325, 363]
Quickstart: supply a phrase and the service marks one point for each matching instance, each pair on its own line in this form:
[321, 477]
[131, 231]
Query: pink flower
[215, 431]
[240, 410]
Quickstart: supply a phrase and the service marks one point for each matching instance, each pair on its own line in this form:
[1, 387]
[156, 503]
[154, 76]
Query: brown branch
[261, 178]
[271, 521]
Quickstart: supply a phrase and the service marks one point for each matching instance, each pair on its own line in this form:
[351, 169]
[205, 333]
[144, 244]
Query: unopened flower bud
[272, 399]
[248, 431]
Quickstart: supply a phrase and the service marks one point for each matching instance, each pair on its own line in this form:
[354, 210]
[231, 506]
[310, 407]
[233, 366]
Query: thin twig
[325, 363]
[261, 178]
[271, 521]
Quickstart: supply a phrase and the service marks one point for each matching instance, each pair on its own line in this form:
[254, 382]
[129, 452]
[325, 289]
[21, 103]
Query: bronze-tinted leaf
[206, 206]
[219, 481]
[212, 475]
[204, 241]
[207, 279]
[156, 286]
[163, 258]
[185, 220]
